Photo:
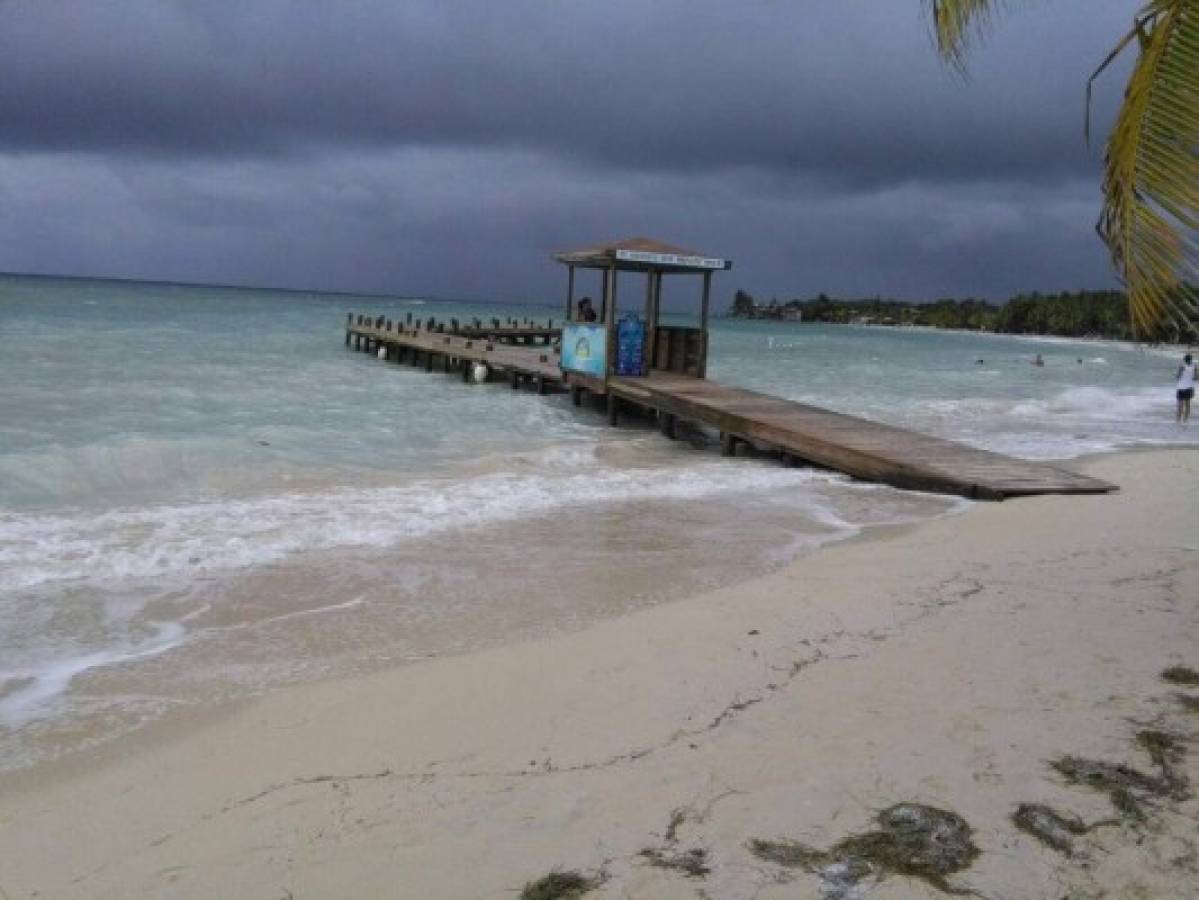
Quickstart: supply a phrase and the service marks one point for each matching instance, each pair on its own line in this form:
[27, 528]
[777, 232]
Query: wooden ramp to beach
[864, 449]
[858, 447]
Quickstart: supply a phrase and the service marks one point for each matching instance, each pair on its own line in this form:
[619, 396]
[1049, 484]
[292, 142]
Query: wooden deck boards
[864, 449]
[525, 360]
[858, 447]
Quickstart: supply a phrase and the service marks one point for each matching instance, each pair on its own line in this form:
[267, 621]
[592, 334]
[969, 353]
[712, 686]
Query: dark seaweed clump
[789, 854]
[559, 886]
[692, 863]
[1184, 675]
[1129, 788]
[914, 840]
[1121, 783]
[1166, 750]
[1189, 703]
[1049, 826]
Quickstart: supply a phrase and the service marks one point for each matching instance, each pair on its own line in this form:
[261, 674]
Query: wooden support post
[647, 351]
[540, 384]
[445, 357]
[667, 422]
[603, 312]
[515, 379]
[576, 396]
[703, 326]
[348, 335]
[612, 408]
[429, 361]
[728, 444]
[610, 319]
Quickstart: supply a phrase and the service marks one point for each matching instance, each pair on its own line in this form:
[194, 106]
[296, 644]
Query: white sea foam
[220, 535]
[1093, 402]
[30, 690]
[39, 686]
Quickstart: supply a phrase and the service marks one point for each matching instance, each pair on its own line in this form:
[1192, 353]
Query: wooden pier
[669, 382]
[798, 432]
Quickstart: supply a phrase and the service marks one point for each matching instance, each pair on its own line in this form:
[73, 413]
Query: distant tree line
[1083, 314]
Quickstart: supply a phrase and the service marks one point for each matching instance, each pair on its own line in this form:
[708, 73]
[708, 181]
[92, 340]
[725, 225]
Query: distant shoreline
[1026, 335]
[1089, 314]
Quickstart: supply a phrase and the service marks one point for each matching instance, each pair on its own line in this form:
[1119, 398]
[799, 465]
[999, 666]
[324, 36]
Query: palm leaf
[1150, 218]
[958, 22]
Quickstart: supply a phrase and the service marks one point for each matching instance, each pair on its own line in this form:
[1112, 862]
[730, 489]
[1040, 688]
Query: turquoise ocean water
[204, 495]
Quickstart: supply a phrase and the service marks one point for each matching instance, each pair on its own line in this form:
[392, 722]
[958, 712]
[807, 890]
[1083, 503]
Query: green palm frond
[957, 22]
[1150, 218]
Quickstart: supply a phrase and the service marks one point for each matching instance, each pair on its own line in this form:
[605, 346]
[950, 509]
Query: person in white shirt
[1186, 389]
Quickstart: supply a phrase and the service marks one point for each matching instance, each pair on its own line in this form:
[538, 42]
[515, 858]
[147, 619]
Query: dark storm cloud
[445, 147]
[850, 89]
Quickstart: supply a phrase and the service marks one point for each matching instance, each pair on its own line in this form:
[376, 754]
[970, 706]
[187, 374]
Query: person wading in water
[1185, 389]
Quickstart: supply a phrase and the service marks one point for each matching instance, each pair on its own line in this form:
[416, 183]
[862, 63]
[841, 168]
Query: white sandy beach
[944, 664]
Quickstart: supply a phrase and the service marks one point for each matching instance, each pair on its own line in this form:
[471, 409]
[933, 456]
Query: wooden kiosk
[589, 349]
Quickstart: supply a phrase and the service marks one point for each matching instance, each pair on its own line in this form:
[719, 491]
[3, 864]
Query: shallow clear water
[203, 494]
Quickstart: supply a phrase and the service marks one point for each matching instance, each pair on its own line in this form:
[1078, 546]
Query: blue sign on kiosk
[630, 346]
[585, 349]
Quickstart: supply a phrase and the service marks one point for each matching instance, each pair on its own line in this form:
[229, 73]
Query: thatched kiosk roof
[641, 254]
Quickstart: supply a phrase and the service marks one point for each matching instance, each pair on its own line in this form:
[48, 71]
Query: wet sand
[945, 664]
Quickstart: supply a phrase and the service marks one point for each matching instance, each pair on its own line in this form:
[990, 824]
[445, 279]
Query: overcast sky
[447, 147]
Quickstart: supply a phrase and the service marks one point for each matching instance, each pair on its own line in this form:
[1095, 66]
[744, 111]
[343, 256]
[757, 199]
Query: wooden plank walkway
[454, 353]
[864, 449]
[858, 447]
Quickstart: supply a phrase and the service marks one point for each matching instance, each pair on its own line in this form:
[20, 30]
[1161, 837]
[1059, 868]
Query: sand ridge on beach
[965, 664]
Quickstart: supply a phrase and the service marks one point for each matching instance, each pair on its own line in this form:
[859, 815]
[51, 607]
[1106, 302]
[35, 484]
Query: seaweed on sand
[559, 886]
[1189, 703]
[789, 854]
[915, 840]
[1049, 826]
[1183, 675]
[1166, 750]
[1125, 786]
[692, 863]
